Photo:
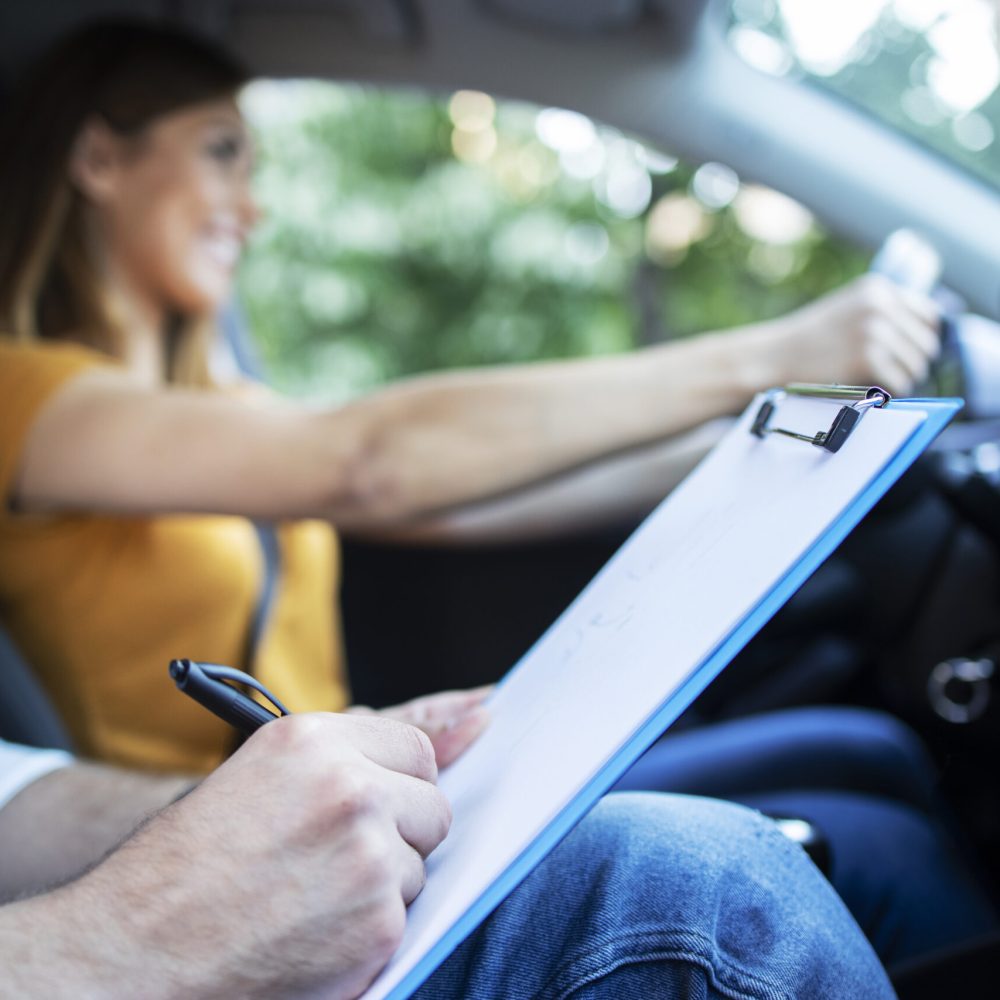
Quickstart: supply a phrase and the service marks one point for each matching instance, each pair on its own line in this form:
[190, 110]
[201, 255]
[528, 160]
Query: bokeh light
[771, 217]
[715, 185]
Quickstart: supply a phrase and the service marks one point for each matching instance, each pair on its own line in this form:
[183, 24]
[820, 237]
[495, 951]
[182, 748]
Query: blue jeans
[849, 749]
[667, 896]
[866, 781]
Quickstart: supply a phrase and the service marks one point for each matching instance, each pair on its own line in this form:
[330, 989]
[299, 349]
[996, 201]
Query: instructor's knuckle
[384, 924]
[443, 815]
[372, 860]
[420, 752]
[348, 794]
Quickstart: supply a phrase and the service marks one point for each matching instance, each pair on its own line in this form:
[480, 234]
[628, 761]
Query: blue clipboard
[939, 412]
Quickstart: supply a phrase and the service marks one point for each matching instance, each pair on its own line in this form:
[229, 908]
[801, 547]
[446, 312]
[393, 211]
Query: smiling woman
[128, 473]
[98, 159]
[123, 220]
[173, 205]
[123, 208]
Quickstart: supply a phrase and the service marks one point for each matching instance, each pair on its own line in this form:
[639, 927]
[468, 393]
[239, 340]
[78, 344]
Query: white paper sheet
[691, 573]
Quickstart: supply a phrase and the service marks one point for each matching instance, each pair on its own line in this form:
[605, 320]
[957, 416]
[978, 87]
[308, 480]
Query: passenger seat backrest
[26, 715]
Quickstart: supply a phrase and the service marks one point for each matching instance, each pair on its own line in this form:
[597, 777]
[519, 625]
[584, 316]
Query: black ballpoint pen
[211, 685]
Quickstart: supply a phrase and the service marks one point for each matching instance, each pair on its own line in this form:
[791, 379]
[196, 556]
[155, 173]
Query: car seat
[26, 714]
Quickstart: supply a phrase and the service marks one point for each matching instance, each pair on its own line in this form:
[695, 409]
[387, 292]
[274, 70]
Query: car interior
[905, 616]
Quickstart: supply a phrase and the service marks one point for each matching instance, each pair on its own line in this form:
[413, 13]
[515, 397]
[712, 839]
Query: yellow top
[99, 605]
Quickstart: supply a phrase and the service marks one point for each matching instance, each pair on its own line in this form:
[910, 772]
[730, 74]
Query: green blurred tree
[383, 252]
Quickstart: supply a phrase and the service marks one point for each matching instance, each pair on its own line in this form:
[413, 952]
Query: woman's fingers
[451, 741]
[451, 719]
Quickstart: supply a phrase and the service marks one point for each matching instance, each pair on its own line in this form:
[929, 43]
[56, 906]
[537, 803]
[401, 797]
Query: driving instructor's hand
[289, 867]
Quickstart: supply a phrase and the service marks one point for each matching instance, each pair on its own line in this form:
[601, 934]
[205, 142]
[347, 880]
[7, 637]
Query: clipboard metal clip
[862, 397]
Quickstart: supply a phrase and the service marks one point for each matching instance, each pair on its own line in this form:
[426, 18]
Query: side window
[929, 68]
[403, 232]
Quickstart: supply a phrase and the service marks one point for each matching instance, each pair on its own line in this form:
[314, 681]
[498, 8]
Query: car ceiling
[660, 68]
[375, 34]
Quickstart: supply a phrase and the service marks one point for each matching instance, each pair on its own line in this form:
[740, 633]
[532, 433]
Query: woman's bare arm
[429, 444]
[613, 491]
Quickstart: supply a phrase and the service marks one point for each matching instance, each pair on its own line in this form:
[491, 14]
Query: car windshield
[928, 67]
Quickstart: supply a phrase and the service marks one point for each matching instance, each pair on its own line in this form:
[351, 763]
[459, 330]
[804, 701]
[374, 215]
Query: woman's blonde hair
[127, 74]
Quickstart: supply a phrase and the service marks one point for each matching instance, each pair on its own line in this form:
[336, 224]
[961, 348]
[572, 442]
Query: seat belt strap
[267, 536]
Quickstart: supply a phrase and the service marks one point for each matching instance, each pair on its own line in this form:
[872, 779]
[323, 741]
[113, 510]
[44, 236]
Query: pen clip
[225, 675]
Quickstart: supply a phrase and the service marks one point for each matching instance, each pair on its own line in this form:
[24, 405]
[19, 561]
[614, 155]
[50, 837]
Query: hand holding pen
[451, 719]
[211, 685]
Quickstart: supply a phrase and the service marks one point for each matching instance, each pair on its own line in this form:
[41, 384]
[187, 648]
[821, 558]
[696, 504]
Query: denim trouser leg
[894, 862]
[895, 869]
[667, 896]
[854, 749]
